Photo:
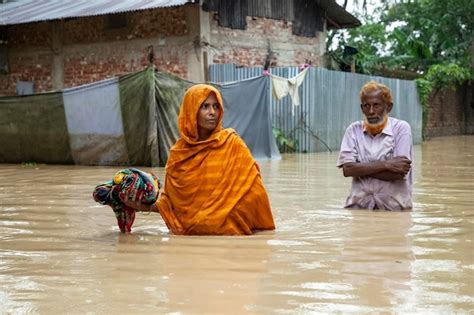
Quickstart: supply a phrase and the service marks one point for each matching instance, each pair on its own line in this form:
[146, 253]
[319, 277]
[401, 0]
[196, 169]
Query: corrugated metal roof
[337, 16]
[27, 11]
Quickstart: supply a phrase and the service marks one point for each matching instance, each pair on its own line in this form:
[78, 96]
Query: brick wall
[250, 47]
[451, 112]
[89, 50]
[61, 54]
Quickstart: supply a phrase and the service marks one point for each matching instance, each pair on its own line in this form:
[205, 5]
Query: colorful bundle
[130, 184]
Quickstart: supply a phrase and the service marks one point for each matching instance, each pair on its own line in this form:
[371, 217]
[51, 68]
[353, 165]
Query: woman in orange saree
[213, 185]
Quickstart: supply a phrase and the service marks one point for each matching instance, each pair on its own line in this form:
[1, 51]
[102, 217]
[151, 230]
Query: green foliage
[447, 75]
[367, 39]
[430, 40]
[28, 164]
[285, 144]
[438, 77]
[424, 87]
[409, 36]
[443, 28]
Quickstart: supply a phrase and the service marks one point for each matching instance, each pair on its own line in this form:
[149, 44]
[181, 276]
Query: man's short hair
[372, 86]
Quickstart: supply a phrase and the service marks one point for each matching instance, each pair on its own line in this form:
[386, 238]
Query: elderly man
[377, 154]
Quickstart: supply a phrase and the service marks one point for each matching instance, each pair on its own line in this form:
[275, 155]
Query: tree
[427, 40]
[410, 36]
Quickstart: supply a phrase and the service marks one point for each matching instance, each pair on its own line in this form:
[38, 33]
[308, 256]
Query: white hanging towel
[283, 86]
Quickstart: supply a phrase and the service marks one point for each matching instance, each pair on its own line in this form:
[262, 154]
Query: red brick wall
[86, 50]
[27, 68]
[35, 34]
[451, 112]
[249, 47]
[141, 24]
[91, 51]
[116, 59]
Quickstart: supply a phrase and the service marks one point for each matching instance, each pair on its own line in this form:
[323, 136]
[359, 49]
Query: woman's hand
[138, 206]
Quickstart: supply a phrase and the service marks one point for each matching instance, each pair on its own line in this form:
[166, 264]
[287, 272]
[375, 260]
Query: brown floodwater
[60, 252]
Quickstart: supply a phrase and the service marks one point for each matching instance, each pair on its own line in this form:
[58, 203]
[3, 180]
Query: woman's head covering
[187, 119]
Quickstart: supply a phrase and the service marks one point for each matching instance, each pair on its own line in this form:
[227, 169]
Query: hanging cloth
[283, 86]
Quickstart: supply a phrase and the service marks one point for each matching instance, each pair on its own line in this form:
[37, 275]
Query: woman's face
[208, 116]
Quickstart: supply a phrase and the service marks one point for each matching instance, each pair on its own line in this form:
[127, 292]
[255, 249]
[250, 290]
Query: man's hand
[395, 169]
[389, 170]
[399, 165]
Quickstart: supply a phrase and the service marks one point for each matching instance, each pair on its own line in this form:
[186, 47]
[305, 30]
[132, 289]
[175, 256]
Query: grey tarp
[139, 117]
[33, 129]
[131, 120]
[110, 122]
[246, 105]
[94, 122]
[24, 88]
[169, 92]
[247, 110]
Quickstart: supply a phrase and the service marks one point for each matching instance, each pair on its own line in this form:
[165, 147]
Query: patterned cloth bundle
[130, 184]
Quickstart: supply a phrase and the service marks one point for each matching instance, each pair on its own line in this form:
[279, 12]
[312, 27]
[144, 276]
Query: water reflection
[60, 252]
[149, 273]
[377, 257]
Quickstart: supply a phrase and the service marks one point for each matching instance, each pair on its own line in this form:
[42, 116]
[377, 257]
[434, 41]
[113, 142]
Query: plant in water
[28, 164]
[285, 144]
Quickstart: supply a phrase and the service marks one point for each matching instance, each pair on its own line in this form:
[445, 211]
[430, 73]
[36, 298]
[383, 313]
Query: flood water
[60, 252]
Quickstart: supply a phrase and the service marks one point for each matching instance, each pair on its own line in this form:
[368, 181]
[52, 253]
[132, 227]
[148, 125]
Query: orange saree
[212, 187]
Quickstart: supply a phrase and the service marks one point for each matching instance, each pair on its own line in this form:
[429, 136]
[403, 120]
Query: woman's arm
[138, 206]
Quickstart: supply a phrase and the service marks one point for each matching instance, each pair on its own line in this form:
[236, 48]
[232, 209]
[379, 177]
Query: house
[50, 45]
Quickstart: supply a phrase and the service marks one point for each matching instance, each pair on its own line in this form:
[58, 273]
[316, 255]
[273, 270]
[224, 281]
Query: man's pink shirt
[360, 146]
